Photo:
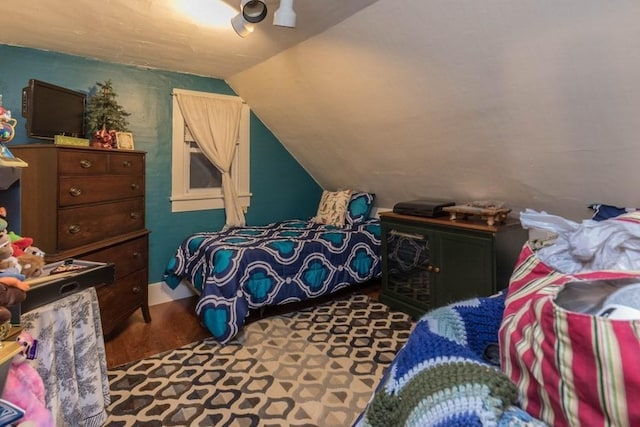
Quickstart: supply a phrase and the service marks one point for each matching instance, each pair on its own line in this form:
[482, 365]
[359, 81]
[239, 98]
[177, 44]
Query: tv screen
[52, 110]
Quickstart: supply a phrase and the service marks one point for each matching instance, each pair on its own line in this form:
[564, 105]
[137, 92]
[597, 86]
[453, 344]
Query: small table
[71, 358]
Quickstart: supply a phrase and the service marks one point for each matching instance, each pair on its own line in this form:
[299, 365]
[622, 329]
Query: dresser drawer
[74, 190]
[121, 298]
[79, 162]
[128, 256]
[126, 164]
[87, 224]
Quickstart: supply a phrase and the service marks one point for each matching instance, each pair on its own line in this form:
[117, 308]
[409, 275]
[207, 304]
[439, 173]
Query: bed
[245, 268]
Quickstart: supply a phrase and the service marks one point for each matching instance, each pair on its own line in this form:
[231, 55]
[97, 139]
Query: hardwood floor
[174, 324]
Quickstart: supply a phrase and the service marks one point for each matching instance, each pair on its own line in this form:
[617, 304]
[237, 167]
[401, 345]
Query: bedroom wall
[533, 102]
[281, 188]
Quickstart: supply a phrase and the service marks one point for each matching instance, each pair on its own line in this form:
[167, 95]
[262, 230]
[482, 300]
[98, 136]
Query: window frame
[183, 198]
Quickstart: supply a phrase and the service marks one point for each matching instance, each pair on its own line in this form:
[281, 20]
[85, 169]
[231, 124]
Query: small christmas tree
[105, 116]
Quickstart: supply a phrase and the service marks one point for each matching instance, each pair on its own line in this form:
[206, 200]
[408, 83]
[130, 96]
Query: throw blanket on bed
[445, 375]
[250, 267]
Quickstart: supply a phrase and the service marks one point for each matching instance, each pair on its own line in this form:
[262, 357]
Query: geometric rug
[315, 367]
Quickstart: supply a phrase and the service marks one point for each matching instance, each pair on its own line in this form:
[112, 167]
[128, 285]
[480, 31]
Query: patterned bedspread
[245, 268]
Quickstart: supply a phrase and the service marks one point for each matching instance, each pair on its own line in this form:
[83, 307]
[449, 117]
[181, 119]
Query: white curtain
[214, 124]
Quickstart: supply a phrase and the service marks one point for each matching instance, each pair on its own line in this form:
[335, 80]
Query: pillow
[333, 208]
[359, 207]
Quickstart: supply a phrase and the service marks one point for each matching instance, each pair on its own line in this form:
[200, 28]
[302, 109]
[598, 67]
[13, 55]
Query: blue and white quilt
[244, 268]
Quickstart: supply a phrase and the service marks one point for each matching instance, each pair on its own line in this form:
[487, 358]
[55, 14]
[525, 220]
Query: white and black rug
[315, 367]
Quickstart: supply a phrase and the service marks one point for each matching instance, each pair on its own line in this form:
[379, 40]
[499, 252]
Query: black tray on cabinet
[53, 286]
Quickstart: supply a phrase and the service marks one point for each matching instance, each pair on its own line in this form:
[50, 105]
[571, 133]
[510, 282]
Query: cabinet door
[465, 267]
[407, 277]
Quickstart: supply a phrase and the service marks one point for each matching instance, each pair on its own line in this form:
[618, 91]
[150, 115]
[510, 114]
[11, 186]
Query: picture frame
[124, 140]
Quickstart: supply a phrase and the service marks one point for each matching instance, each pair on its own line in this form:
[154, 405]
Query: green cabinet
[431, 262]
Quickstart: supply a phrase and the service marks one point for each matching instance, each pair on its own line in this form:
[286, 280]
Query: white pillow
[333, 208]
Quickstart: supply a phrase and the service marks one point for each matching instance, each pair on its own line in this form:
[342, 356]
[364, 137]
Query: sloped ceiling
[534, 102]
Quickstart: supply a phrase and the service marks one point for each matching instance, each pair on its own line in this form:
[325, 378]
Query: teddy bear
[31, 265]
[20, 257]
[8, 263]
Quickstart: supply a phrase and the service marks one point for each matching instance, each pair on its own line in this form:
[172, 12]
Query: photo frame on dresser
[124, 140]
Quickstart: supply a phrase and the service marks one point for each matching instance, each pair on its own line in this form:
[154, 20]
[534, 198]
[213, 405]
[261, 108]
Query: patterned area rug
[314, 367]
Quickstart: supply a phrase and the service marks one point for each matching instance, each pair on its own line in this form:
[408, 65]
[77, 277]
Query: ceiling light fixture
[254, 11]
[251, 12]
[242, 27]
[285, 16]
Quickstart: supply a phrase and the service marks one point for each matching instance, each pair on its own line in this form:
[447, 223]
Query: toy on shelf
[18, 256]
[7, 124]
[7, 133]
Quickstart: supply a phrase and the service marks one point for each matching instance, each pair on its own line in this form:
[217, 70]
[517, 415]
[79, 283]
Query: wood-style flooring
[174, 324]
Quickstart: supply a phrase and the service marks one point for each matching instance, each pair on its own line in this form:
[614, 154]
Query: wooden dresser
[89, 203]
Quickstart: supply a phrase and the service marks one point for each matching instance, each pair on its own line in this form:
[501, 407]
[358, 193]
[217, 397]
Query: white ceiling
[158, 34]
[532, 102]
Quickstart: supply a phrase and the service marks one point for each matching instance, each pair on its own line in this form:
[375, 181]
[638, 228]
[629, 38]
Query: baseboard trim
[160, 293]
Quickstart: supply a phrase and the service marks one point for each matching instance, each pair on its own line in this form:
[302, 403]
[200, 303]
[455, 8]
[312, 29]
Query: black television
[52, 110]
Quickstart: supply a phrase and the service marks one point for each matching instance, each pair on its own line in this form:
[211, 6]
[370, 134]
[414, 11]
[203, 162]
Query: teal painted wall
[281, 188]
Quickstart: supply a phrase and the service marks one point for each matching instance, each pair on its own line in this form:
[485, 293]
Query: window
[195, 183]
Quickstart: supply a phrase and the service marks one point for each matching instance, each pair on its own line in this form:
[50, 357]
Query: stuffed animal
[9, 294]
[8, 263]
[19, 243]
[11, 255]
[24, 387]
[31, 265]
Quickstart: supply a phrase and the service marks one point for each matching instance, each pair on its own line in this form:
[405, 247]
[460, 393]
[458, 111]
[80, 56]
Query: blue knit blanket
[447, 373]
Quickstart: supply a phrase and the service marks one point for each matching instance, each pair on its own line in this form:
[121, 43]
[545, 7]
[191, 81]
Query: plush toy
[20, 244]
[11, 255]
[31, 265]
[9, 294]
[24, 387]
[23, 245]
[8, 263]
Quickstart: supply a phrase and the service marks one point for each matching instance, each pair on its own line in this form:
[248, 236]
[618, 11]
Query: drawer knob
[134, 215]
[85, 164]
[137, 254]
[432, 268]
[74, 229]
[75, 191]
[126, 163]
[136, 289]
[134, 186]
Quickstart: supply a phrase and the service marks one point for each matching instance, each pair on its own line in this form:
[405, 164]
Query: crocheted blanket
[447, 373]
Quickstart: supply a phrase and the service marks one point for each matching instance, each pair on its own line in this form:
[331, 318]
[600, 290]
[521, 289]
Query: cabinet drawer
[126, 164]
[83, 225]
[128, 256]
[77, 162]
[75, 190]
[120, 299]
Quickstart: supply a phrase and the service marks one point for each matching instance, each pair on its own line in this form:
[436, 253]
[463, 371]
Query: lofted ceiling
[192, 36]
[533, 103]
